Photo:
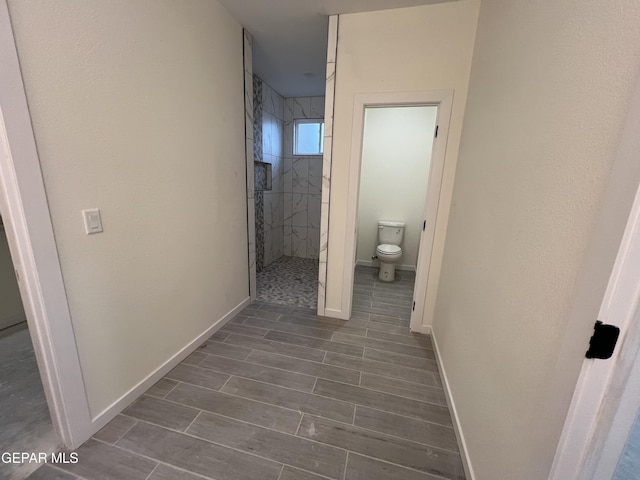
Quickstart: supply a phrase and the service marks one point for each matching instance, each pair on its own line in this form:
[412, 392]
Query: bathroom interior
[396, 157]
[25, 423]
[288, 147]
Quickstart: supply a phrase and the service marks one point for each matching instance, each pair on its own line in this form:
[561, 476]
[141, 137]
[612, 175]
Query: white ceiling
[290, 37]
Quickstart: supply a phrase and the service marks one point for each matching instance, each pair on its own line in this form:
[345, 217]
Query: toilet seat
[390, 250]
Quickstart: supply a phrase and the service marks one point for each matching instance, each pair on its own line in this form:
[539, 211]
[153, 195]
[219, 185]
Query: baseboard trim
[332, 313]
[464, 452]
[125, 400]
[371, 263]
[423, 329]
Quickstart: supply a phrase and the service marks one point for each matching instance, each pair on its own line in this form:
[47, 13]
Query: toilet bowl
[389, 252]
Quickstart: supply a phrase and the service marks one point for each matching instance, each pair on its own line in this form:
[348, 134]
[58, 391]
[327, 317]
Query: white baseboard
[464, 452]
[372, 263]
[332, 313]
[125, 400]
[423, 329]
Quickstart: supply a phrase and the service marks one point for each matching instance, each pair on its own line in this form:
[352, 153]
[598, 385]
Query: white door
[607, 396]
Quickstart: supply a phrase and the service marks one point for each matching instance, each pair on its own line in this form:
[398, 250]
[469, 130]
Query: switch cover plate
[92, 221]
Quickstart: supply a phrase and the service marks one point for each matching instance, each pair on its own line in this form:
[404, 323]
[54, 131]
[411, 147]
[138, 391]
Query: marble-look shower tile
[287, 211]
[287, 138]
[315, 176]
[286, 240]
[247, 50]
[250, 172]
[332, 38]
[267, 102]
[301, 107]
[287, 175]
[276, 137]
[248, 97]
[277, 210]
[317, 107]
[288, 109]
[299, 209]
[313, 242]
[278, 242]
[326, 169]
[324, 230]
[328, 99]
[279, 101]
[268, 242]
[313, 211]
[300, 178]
[267, 132]
[299, 242]
[322, 275]
[267, 210]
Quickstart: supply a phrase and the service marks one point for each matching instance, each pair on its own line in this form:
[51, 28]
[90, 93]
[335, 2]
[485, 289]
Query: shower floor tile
[289, 281]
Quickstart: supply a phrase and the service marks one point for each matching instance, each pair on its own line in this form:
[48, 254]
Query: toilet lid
[389, 249]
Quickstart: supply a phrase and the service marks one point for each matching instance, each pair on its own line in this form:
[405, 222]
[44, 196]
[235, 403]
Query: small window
[308, 136]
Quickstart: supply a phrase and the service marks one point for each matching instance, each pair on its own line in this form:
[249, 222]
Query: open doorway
[396, 160]
[25, 423]
[285, 136]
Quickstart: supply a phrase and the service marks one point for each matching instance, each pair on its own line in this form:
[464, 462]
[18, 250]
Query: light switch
[92, 221]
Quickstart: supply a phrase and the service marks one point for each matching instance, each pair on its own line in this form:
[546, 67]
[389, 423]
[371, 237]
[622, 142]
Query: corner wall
[137, 109]
[527, 259]
[409, 49]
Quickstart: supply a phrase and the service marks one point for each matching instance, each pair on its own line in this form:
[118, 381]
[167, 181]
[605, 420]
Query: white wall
[396, 156]
[137, 109]
[520, 290]
[409, 49]
[11, 310]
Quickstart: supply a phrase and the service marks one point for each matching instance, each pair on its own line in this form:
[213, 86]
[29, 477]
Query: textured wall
[408, 49]
[137, 109]
[550, 88]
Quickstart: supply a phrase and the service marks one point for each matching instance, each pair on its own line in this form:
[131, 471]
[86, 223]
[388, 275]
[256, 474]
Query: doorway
[25, 423]
[439, 104]
[396, 159]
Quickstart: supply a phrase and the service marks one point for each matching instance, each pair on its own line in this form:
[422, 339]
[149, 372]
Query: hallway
[280, 393]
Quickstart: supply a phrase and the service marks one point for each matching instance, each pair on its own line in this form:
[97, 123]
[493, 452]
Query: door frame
[443, 99]
[34, 254]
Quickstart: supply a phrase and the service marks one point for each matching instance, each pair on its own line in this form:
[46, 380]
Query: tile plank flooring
[281, 394]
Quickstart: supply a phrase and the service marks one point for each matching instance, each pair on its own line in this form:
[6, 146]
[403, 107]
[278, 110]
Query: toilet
[389, 252]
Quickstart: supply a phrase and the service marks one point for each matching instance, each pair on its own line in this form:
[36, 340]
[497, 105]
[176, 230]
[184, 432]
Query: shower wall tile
[299, 242]
[315, 176]
[299, 212]
[313, 212]
[302, 180]
[300, 176]
[286, 240]
[302, 107]
[287, 175]
[313, 242]
[316, 107]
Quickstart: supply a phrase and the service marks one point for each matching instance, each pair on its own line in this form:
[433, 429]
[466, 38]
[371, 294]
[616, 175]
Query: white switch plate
[92, 221]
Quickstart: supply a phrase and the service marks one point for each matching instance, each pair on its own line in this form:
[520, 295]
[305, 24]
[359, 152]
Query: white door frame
[33, 250]
[604, 404]
[443, 99]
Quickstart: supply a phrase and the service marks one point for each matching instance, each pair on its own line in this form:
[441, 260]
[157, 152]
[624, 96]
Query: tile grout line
[151, 472]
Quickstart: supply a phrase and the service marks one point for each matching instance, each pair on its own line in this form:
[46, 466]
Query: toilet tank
[390, 232]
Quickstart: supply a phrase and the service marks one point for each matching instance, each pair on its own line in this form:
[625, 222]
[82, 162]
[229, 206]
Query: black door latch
[603, 341]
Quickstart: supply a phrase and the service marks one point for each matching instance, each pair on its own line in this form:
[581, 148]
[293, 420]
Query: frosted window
[308, 137]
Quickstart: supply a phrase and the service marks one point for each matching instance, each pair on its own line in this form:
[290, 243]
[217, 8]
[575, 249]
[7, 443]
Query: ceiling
[290, 37]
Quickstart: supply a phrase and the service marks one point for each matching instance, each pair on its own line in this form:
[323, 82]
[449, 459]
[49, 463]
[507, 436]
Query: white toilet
[389, 252]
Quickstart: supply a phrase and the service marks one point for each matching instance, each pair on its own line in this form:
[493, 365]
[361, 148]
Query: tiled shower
[287, 188]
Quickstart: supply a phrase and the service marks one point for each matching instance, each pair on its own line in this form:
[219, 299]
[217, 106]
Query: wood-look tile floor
[281, 394]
